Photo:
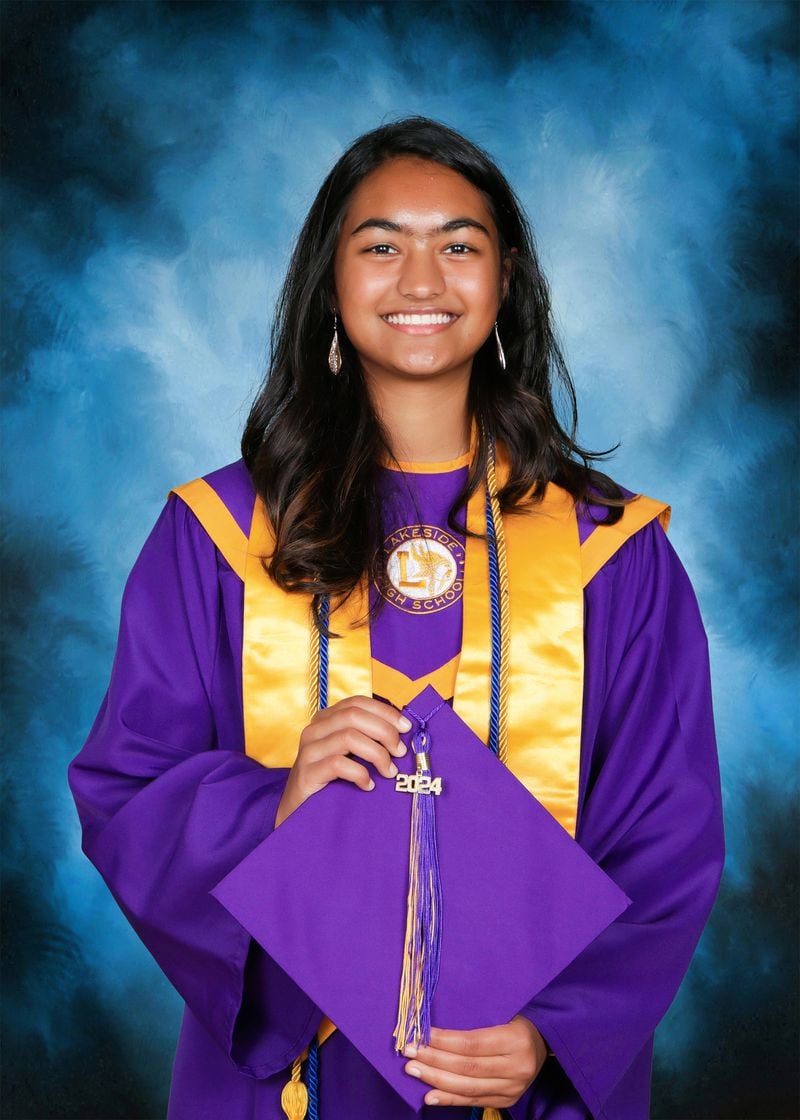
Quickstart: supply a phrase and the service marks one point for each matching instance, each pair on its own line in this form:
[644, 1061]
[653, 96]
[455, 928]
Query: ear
[506, 268]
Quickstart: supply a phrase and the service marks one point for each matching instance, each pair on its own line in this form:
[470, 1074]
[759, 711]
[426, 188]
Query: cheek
[483, 282]
[358, 290]
[482, 292]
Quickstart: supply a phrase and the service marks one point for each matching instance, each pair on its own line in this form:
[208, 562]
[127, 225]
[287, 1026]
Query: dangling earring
[335, 354]
[500, 355]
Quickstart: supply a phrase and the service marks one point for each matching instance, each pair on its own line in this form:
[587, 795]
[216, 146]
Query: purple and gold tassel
[423, 941]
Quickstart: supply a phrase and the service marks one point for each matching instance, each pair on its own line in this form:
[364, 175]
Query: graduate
[414, 574]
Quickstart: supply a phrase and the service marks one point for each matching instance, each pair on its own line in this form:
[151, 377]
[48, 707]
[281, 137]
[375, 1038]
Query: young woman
[404, 451]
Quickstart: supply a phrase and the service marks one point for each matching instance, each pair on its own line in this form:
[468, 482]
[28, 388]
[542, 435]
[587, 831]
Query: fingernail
[415, 1071]
[400, 750]
[404, 723]
[431, 1100]
[392, 769]
[410, 1051]
[371, 784]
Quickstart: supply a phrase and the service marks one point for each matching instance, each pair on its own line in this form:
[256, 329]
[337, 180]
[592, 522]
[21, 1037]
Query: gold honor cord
[313, 672]
[294, 1094]
[505, 614]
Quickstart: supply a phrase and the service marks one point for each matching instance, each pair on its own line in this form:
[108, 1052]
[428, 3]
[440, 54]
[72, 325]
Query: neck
[426, 421]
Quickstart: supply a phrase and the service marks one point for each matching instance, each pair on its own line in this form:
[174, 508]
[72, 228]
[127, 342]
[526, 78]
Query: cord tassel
[423, 940]
[294, 1095]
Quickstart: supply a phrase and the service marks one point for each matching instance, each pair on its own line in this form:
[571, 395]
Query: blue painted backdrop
[159, 159]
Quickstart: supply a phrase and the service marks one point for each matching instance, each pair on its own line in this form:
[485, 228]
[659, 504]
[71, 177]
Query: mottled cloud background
[159, 158]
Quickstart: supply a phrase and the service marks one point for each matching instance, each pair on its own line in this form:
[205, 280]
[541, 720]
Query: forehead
[414, 191]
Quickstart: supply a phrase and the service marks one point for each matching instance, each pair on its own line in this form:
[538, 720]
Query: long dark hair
[313, 441]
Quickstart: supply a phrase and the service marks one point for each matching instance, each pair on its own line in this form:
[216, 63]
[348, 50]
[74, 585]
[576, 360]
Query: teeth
[419, 320]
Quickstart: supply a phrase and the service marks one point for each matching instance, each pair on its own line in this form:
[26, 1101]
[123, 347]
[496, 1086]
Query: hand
[492, 1066]
[356, 725]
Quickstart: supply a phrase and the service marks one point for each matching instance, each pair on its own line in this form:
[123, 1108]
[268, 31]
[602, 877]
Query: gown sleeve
[167, 809]
[651, 818]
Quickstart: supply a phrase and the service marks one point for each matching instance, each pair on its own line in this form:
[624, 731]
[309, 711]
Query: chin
[423, 369]
[430, 362]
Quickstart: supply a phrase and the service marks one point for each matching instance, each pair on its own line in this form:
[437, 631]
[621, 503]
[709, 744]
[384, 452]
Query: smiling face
[418, 272]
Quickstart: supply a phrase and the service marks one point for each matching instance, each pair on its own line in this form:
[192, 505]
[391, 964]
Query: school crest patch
[425, 568]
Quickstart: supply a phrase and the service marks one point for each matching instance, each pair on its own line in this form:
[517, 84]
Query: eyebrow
[396, 227]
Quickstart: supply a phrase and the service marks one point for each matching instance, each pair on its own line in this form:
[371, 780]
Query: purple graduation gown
[169, 803]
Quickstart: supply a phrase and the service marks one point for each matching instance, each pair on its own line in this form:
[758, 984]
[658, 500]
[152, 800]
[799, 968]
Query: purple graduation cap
[520, 899]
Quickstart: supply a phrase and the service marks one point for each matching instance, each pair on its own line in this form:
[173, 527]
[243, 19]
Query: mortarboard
[520, 898]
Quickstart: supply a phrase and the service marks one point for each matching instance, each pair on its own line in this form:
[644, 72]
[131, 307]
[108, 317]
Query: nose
[421, 276]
